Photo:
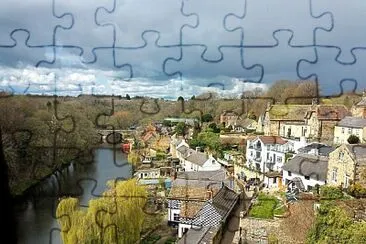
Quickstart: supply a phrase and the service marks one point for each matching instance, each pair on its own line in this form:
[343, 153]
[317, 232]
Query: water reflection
[35, 216]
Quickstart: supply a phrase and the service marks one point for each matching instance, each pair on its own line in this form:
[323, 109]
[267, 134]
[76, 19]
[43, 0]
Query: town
[269, 181]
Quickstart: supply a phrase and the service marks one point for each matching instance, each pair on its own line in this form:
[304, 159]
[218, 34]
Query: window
[213, 161]
[342, 130]
[267, 155]
[268, 148]
[279, 159]
[307, 177]
[346, 180]
[289, 173]
[274, 180]
[334, 174]
[340, 155]
[251, 153]
[349, 131]
[191, 166]
[337, 139]
[176, 217]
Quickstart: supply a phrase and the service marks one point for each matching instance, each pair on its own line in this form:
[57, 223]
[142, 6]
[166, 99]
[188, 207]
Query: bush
[357, 190]
[352, 139]
[331, 192]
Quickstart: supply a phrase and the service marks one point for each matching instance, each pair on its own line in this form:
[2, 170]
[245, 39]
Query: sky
[171, 48]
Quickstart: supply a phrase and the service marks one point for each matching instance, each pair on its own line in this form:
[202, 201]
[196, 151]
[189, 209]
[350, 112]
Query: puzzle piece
[41, 23]
[136, 12]
[347, 21]
[324, 61]
[141, 67]
[267, 57]
[232, 65]
[85, 25]
[210, 25]
[20, 53]
[273, 16]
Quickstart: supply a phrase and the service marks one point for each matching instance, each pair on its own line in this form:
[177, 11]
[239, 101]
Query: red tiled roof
[272, 140]
[331, 112]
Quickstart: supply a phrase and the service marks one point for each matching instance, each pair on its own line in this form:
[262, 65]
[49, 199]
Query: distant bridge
[113, 136]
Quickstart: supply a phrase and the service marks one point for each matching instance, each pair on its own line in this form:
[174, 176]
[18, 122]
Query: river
[35, 217]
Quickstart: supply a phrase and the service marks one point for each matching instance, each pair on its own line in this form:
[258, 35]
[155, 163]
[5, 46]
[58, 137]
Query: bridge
[114, 136]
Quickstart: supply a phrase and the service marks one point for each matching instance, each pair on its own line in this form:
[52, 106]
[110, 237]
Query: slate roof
[245, 122]
[288, 112]
[308, 165]
[216, 210]
[199, 235]
[358, 151]
[353, 122]
[197, 158]
[193, 189]
[272, 140]
[323, 149]
[217, 175]
[183, 149]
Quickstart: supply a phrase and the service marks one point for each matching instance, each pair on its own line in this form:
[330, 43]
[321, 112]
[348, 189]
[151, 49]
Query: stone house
[228, 118]
[314, 121]
[359, 109]
[244, 125]
[350, 126]
[347, 164]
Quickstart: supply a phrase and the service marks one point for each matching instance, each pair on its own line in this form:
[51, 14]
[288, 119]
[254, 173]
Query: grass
[266, 207]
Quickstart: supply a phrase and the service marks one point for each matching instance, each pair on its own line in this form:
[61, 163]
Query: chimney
[269, 104]
[209, 194]
[198, 149]
[315, 101]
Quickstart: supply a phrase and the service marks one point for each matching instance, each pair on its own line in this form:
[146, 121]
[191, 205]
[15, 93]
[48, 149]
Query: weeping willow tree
[116, 217]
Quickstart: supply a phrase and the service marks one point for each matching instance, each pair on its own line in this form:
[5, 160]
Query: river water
[35, 216]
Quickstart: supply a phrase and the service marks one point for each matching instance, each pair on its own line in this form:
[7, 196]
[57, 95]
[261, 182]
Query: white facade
[342, 133]
[211, 164]
[150, 173]
[309, 182]
[266, 157]
[272, 182]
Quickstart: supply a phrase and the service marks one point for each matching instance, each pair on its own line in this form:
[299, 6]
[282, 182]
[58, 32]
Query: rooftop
[199, 235]
[288, 112]
[329, 112]
[308, 165]
[197, 158]
[353, 122]
[272, 140]
[323, 150]
[358, 151]
[217, 175]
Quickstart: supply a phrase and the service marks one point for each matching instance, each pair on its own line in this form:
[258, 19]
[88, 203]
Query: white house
[304, 171]
[267, 153]
[199, 161]
[350, 126]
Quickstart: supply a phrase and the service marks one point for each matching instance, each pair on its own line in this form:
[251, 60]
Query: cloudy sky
[171, 48]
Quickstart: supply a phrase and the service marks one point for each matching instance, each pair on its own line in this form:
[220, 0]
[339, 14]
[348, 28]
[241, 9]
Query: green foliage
[266, 207]
[214, 128]
[331, 192]
[207, 139]
[251, 115]
[170, 240]
[121, 206]
[128, 97]
[357, 190]
[334, 225]
[207, 118]
[151, 239]
[181, 128]
[353, 139]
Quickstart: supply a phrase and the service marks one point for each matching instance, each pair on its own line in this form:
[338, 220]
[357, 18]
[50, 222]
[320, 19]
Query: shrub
[357, 190]
[331, 192]
[352, 139]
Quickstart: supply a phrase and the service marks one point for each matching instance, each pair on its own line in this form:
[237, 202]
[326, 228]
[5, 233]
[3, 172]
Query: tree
[180, 128]
[193, 97]
[207, 118]
[128, 97]
[116, 217]
[180, 98]
[214, 128]
[353, 139]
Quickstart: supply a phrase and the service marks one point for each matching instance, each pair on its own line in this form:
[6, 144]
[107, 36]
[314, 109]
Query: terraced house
[316, 121]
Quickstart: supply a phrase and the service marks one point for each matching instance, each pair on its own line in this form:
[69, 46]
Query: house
[267, 153]
[359, 109]
[199, 161]
[245, 125]
[315, 121]
[176, 143]
[350, 126]
[286, 120]
[347, 164]
[305, 171]
[228, 118]
[214, 212]
[322, 119]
